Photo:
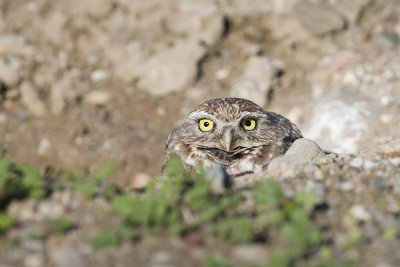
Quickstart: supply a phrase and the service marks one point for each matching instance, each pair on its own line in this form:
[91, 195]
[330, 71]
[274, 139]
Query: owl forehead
[227, 109]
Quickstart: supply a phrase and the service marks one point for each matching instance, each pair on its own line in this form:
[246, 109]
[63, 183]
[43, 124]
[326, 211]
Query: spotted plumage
[233, 131]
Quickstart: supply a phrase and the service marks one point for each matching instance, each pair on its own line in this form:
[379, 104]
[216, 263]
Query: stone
[58, 94]
[220, 179]
[290, 166]
[140, 181]
[172, 69]
[66, 256]
[351, 9]
[14, 44]
[34, 260]
[23, 211]
[9, 72]
[49, 210]
[44, 146]
[196, 27]
[389, 40]
[305, 148]
[256, 81]
[360, 213]
[97, 97]
[340, 121]
[318, 18]
[30, 99]
[99, 75]
[250, 254]
[356, 162]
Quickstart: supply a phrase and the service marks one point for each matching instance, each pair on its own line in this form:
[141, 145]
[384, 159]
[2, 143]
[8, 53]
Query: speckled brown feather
[252, 150]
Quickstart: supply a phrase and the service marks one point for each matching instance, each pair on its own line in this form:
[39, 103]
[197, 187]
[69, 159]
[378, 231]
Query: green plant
[62, 224]
[105, 239]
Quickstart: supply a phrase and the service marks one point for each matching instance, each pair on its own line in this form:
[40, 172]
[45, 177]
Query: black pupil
[247, 123]
[206, 124]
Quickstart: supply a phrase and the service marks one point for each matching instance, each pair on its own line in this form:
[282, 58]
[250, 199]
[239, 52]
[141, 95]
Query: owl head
[233, 131]
[228, 124]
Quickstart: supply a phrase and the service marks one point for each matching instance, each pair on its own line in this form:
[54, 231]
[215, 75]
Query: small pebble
[222, 74]
[44, 146]
[356, 162]
[369, 164]
[360, 213]
[250, 254]
[140, 181]
[99, 75]
[97, 97]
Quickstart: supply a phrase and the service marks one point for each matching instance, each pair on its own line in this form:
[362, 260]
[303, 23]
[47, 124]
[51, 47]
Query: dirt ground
[83, 83]
[46, 45]
[131, 127]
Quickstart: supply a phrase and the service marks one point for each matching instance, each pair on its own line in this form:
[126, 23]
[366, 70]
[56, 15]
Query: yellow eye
[206, 125]
[248, 124]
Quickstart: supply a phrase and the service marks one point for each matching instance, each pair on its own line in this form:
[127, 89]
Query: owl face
[232, 131]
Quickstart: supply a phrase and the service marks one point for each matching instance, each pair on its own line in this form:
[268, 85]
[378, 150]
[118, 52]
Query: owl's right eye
[206, 125]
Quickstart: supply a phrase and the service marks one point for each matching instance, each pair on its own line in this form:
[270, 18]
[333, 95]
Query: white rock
[222, 74]
[14, 44]
[196, 27]
[31, 100]
[53, 29]
[49, 210]
[305, 148]
[66, 256]
[250, 254]
[9, 72]
[172, 69]
[99, 75]
[3, 117]
[107, 145]
[360, 213]
[369, 164]
[256, 80]
[44, 146]
[34, 260]
[97, 97]
[317, 17]
[356, 162]
[128, 60]
[58, 94]
[340, 121]
[140, 181]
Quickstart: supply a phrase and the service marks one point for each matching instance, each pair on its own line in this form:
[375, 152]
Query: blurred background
[88, 82]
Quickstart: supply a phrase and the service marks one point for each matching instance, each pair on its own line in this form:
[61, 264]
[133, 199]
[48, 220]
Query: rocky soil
[88, 82]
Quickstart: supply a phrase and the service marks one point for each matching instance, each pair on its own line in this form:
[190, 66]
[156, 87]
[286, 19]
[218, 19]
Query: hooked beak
[228, 140]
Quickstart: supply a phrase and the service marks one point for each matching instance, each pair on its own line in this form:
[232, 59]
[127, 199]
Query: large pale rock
[340, 121]
[318, 18]
[258, 76]
[9, 72]
[31, 100]
[306, 148]
[171, 69]
[196, 27]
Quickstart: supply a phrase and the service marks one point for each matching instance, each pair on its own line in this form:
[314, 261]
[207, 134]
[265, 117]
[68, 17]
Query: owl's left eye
[206, 125]
[248, 124]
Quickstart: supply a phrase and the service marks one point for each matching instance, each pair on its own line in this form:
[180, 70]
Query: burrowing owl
[233, 131]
